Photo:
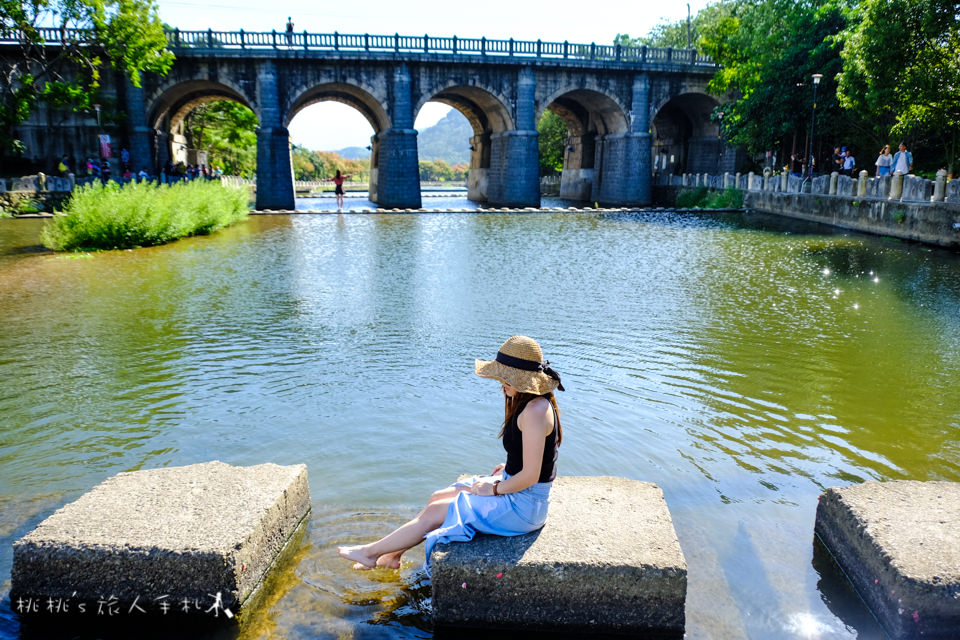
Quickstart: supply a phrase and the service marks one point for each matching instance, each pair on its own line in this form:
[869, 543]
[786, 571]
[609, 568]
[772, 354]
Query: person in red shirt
[338, 180]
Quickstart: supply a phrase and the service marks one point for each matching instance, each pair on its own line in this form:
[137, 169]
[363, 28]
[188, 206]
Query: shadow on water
[840, 597]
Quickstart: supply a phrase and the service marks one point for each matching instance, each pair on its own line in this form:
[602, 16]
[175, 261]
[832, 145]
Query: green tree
[552, 142]
[228, 132]
[128, 33]
[768, 51]
[674, 34]
[320, 165]
[901, 68]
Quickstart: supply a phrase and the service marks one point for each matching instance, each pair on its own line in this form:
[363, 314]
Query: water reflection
[742, 363]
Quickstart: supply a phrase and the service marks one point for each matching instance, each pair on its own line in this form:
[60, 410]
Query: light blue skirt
[512, 514]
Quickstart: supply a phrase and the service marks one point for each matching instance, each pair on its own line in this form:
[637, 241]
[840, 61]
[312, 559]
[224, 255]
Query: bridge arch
[487, 113]
[356, 95]
[593, 119]
[169, 106]
[685, 139]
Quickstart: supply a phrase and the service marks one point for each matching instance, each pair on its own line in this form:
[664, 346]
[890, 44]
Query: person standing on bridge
[289, 30]
[513, 499]
[338, 191]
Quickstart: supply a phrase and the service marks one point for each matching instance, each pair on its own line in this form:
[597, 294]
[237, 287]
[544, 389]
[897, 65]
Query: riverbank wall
[899, 206]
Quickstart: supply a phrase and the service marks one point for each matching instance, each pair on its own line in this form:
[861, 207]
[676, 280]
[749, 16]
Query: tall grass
[142, 215]
[703, 198]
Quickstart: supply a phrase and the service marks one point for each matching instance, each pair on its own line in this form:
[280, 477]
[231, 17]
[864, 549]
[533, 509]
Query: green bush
[701, 197]
[729, 198]
[690, 198]
[142, 215]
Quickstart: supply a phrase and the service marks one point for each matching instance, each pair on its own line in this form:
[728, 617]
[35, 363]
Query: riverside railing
[396, 44]
[905, 188]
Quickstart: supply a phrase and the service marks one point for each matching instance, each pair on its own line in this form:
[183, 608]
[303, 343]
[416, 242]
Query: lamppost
[96, 108]
[813, 118]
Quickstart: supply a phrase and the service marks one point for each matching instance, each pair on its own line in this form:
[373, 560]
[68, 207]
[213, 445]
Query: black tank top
[513, 444]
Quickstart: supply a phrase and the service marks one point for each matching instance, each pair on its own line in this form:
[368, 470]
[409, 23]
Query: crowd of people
[102, 170]
[845, 163]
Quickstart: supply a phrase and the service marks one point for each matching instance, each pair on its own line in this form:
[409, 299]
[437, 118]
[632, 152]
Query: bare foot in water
[390, 560]
[358, 555]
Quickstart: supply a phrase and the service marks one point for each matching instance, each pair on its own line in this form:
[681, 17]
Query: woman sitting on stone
[512, 500]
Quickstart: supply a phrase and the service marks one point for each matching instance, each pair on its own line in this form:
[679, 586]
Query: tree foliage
[901, 69]
[320, 165]
[674, 34]
[768, 51]
[552, 141]
[227, 130]
[439, 171]
[126, 33]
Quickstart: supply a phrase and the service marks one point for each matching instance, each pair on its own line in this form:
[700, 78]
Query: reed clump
[703, 198]
[142, 215]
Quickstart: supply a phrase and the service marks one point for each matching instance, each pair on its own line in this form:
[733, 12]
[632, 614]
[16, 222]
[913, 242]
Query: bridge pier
[398, 169]
[477, 178]
[139, 143]
[274, 168]
[514, 177]
[576, 180]
[623, 159]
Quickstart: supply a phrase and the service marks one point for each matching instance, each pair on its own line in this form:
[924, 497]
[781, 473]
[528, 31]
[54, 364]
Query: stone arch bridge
[630, 112]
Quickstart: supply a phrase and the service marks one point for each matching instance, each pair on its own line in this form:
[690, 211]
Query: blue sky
[330, 125]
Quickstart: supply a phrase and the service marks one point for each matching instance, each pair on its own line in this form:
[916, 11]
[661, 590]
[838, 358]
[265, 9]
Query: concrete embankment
[899, 206]
[607, 560]
[149, 541]
[897, 543]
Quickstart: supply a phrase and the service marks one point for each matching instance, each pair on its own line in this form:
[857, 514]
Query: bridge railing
[445, 45]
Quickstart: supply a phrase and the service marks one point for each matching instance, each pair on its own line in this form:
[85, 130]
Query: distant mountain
[448, 140]
[354, 153]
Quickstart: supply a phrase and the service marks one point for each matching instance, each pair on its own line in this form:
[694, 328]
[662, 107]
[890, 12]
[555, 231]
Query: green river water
[740, 362]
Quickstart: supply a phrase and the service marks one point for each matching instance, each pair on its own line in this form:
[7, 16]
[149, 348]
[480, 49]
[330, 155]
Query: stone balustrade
[905, 188]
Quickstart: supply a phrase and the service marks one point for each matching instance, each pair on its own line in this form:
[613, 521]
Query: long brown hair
[513, 406]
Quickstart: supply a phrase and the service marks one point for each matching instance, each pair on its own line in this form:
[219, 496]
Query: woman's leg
[403, 538]
[392, 560]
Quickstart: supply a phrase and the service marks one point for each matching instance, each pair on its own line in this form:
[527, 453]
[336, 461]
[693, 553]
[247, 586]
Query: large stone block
[183, 533]
[916, 189]
[953, 191]
[898, 543]
[606, 560]
[26, 183]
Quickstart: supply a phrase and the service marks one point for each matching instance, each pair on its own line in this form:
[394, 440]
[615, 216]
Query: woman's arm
[535, 423]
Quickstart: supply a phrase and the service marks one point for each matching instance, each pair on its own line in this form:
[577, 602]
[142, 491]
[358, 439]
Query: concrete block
[3, 185]
[606, 560]
[846, 186]
[953, 191]
[26, 183]
[916, 189]
[898, 544]
[176, 533]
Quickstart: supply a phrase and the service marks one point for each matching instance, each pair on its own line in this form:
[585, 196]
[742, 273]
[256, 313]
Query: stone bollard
[737, 181]
[940, 186]
[726, 179]
[896, 186]
[41, 181]
[750, 181]
[784, 181]
[833, 183]
[862, 184]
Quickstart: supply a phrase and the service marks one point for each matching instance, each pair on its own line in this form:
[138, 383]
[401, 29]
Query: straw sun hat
[520, 364]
